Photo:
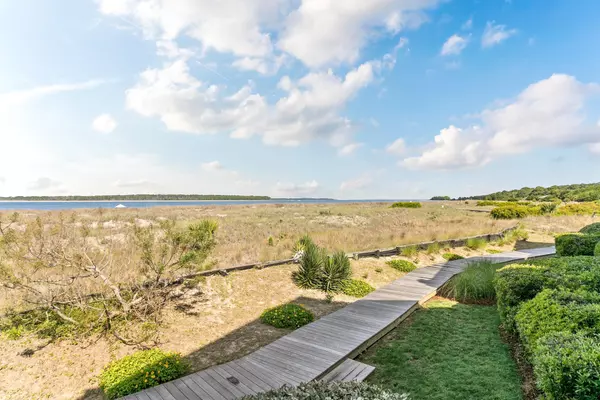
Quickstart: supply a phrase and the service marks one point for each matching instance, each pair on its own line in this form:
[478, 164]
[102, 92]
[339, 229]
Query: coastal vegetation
[577, 192]
[406, 204]
[441, 198]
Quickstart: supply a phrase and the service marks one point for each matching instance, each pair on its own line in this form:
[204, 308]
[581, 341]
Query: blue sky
[353, 99]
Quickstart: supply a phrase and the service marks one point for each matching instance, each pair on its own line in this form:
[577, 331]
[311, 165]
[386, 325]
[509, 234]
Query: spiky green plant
[336, 271]
[310, 270]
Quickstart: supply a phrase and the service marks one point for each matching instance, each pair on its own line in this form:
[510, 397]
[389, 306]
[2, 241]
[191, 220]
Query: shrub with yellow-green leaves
[139, 371]
[290, 316]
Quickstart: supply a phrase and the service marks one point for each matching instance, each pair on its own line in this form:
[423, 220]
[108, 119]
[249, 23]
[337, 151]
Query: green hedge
[576, 244]
[139, 371]
[567, 366]
[557, 311]
[517, 283]
[406, 204]
[289, 316]
[330, 391]
[357, 288]
[514, 212]
[592, 229]
[597, 250]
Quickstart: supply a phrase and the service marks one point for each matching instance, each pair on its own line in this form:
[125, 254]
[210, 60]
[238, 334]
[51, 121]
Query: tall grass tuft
[433, 248]
[410, 251]
[476, 243]
[473, 285]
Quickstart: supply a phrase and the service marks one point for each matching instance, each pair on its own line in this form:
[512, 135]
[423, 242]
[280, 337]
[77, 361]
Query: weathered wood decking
[317, 349]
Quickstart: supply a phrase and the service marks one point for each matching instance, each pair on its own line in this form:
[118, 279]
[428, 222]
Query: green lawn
[447, 351]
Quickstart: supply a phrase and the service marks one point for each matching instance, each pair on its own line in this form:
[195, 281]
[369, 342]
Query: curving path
[317, 349]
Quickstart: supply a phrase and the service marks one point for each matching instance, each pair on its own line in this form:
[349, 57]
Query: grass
[466, 359]
[476, 243]
[473, 285]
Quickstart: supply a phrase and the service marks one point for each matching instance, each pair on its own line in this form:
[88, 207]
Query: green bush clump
[406, 204]
[289, 316]
[579, 209]
[517, 283]
[139, 371]
[474, 285]
[512, 212]
[576, 244]
[476, 243]
[319, 390]
[557, 311]
[402, 265]
[357, 288]
[567, 366]
[452, 256]
[597, 250]
[592, 229]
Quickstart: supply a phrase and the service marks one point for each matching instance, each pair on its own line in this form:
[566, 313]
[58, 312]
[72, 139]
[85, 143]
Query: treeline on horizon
[136, 197]
[576, 192]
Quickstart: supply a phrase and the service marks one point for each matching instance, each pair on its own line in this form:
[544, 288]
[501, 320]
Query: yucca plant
[310, 271]
[336, 272]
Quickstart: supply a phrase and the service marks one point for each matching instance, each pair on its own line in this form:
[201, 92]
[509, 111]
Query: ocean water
[72, 205]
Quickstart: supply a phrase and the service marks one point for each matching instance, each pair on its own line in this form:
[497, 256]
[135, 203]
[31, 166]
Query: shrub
[406, 204]
[548, 208]
[14, 332]
[579, 209]
[515, 284]
[336, 271]
[402, 265]
[576, 244]
[557, 311]
[139, 371]
[592, 229]
[473, 285]
[357, 288]
[452, 256]
[289, 316]
[597, 250]
[270, 241]
[512, 212]
[312, 260]
[410, 251]
[476, 243]
[567, 366]
[319, 390]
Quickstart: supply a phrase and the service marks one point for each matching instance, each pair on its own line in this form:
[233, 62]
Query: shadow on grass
[239, 342]
[525, 245]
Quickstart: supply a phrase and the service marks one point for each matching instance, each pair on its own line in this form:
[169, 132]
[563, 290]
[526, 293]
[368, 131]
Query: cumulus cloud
[398, 147]
[349, 149]
[104, 123]
[310, 108]
[212, 166]
[548, 113]
[495, 34]
[295, 190]
[322, 33]
[454, 45]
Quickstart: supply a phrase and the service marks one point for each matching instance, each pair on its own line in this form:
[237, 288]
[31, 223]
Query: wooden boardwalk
[316, 350]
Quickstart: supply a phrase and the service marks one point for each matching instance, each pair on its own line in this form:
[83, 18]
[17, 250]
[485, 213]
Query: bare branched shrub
[71, 283]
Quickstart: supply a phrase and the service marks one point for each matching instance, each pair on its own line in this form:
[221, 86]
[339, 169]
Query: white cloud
[104, 123]
[212, 166]
[454, 45]
[595, 148]
[295, 190]
[309, 109]
[264, 66]
[548, 113]
[468, 25]
[322, 33]
[349, 149]
[398, 147]
[495, 34]
[138, 183]
[22, 96]
[44, 183]
[359, 183]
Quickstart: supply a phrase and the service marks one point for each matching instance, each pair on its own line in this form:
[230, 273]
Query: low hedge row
[576, 244]
[554, 306]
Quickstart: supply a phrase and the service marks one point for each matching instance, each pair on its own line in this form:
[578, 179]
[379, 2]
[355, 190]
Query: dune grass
[446, 351]
[473, 285]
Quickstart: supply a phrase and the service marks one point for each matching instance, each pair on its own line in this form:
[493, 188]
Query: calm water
[70, 205]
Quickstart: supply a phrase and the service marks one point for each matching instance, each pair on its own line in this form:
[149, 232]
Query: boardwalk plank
[241, 386]
[153, 394]
[212, 392]
[251, 382]
[175, 392]
[262, 375]
[203, 394]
